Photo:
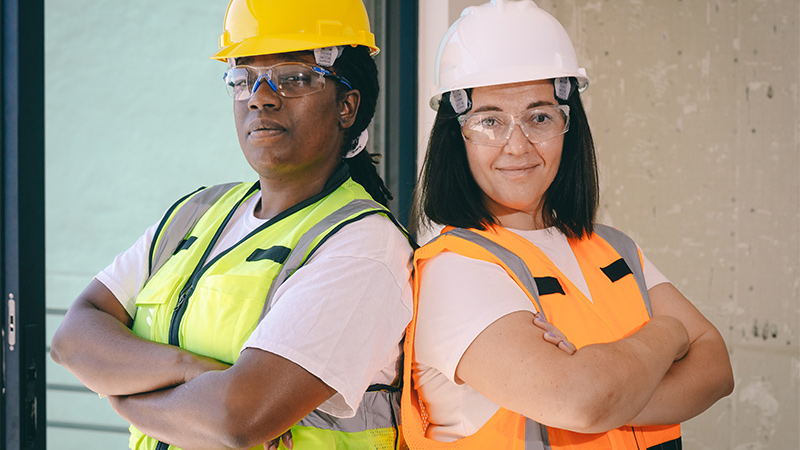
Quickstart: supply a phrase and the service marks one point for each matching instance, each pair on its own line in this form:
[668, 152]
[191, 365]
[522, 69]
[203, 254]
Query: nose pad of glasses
[515, 125]
[266, 77]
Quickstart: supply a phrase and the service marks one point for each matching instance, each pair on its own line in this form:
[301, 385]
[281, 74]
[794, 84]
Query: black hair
[357, 66]
[448, 194]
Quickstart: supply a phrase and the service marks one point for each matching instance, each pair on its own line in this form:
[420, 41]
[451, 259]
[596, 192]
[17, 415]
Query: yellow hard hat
[262, 27]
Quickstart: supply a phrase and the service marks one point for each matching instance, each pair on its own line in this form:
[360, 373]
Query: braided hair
[357, 66]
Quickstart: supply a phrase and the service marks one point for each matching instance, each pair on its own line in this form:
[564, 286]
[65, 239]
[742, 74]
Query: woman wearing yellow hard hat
[255, 308]
[522, 275]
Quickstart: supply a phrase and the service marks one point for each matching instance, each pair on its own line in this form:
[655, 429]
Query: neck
[522, 221]
[282, 191]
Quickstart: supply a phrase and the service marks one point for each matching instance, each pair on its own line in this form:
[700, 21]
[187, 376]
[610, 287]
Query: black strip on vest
[548, 285]
[277, 253]
[671, 445]
[616, 270]
[186, 243]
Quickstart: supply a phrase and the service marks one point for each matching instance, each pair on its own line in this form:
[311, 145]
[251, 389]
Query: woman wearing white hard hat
[276, 304]
[535, 327]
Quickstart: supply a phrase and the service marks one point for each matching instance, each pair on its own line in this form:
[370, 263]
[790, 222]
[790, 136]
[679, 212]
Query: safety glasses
[287, 79]
[494, 128]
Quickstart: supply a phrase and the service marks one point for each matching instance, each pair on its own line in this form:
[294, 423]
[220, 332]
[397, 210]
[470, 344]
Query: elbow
[597, 413]
[57, 350]
[592, 410]
[726, 383]
[241, 429]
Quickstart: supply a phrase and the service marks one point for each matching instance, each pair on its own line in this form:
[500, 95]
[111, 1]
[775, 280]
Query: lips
[518, 168]
[264, 127]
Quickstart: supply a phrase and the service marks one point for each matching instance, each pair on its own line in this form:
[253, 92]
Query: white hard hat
[504, 42]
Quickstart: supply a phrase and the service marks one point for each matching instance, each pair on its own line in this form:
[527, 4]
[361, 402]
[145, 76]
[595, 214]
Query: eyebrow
[531, 105]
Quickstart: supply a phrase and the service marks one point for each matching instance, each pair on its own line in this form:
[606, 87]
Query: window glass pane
[136, 117]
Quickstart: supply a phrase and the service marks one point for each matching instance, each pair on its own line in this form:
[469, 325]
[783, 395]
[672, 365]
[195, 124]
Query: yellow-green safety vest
[211, 307]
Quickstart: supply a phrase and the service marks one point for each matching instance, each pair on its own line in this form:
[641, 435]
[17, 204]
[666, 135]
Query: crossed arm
[201, 403]
[696, 381]
[641, 379]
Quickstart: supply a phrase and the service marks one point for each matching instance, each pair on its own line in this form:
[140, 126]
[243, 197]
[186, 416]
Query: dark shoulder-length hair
[448, 194]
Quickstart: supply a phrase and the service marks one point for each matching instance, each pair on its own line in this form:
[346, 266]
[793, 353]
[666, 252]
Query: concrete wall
[694, 110]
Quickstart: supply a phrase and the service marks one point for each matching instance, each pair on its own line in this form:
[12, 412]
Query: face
[515, 177]
[293, 140]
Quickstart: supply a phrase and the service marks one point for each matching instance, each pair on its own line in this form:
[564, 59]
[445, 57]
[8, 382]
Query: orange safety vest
[620, 306]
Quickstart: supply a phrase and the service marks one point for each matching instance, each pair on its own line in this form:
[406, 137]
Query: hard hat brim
[282, 44]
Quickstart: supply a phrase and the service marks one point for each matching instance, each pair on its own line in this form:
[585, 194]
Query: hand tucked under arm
[95, 343]
[553, 335]
[699, 379]
[255, 401]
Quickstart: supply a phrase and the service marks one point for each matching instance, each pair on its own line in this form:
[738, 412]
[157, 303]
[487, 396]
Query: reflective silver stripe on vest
[184, 219]
[626, 248]
[535, 436]
[298, 255]
[378, 409]
[510, 259]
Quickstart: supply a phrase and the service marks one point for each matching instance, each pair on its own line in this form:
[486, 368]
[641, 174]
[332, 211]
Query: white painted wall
[694, 110]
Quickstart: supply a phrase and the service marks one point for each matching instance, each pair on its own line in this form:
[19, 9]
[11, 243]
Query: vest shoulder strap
[626, 248]
[179, 220]
[621, 243]
[302, 252]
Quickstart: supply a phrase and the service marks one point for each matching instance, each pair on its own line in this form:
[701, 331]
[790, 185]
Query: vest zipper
[337, 179]
[191, 283]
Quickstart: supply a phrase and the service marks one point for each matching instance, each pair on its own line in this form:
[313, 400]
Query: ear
[348, 108]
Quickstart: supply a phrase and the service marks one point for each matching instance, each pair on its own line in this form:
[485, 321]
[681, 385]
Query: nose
[517, 143]
[265, 94]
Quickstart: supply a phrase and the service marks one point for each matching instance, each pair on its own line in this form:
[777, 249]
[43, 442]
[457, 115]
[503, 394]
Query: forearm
[598, 388]
[691, 385]
[623, 375]
[254, 401]
[109, 359]
[96, 345]
[189, 416]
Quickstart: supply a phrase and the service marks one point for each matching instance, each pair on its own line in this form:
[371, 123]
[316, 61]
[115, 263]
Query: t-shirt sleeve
[652, 276]
[126, 275]
[460, 297]
[343, 314]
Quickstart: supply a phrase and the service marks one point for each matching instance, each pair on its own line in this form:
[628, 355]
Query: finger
[567, 347]
[287, 440]
[541, 322]
[552, 338]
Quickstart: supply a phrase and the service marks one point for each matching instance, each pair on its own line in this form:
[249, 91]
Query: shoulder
[374, 237]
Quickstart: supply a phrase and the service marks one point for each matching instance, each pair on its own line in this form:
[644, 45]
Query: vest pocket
[221, 314]
[153, 311]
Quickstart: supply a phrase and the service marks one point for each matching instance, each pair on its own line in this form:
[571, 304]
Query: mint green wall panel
[136, 116]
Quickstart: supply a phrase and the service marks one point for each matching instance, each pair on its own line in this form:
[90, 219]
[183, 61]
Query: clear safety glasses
[494, 128]
[287, 79]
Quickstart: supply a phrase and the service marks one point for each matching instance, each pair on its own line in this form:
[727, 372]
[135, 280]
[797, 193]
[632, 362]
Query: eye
[296, 78]
[540, 118]
[237, 77]
[488, 122]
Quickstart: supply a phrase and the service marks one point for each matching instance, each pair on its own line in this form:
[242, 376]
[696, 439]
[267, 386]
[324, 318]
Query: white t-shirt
[459, 298]
[341, 316]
